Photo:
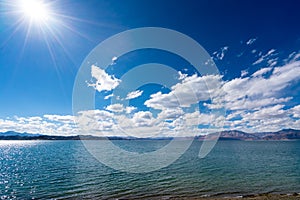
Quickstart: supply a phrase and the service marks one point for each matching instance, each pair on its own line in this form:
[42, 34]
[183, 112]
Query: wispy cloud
[219, 55]
[262, 71]
[294, 56]
[264, 57]
[251, 41]
[134, 94]
[108, 96]
[244, 73]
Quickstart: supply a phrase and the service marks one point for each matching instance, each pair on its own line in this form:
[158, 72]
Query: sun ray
[26, 37]
[51, 52]
[60, 43]
[76, 19]
[43, 18]
[15, 28]
[76, 32]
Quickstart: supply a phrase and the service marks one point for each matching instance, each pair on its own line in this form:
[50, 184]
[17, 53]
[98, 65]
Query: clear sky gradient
[251, 42]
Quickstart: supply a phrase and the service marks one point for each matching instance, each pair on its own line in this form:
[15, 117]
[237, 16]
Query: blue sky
[251, 42]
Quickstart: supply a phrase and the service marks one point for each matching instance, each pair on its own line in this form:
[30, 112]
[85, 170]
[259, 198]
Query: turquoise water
[64, 169]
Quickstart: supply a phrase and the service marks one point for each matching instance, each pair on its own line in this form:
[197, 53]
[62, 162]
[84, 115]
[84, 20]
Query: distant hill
[238, 135]
[12, 135]
[285, 134]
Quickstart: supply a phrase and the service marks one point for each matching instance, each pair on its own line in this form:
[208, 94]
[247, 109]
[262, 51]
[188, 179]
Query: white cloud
[294, 56]
[114, 58]
[244, 73]
[264, 57]
[262, 71]
[108, 96]
[272, 62]
[143, 118]
[28, 119]
[190, 91]
[195, 118]
[48, 125]
[246, 104]
[134, 94]
[251, 41]
[219, 55]
[280, 78]
[257, 102]
[96, 122]
[253, 98]
[181, 76]
[254, 102]
[170, 114]
[115, 107]
[60, 118]
[104, 81]
[119, 108]
[295, 111]
[161, 101]
[271, 118]
[274, 111]
[129, 109]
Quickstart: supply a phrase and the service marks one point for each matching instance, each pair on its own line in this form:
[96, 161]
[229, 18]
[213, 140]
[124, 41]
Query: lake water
[64, 169]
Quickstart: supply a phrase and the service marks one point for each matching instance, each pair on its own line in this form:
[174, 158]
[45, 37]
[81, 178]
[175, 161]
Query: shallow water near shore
[65, 169]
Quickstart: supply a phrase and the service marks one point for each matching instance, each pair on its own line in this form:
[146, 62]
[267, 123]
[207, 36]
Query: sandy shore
[250, 197]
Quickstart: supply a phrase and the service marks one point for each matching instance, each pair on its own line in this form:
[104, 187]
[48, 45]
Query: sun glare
[35, 10]
[42, 19]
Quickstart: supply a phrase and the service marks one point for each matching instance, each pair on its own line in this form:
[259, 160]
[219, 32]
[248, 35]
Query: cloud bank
[256, 102]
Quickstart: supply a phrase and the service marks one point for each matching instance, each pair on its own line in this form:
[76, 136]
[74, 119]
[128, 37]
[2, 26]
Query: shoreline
[263, 196]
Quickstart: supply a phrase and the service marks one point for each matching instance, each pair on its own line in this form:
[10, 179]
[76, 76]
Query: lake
[65, 169]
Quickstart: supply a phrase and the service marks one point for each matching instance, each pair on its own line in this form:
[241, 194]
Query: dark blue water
[64, 169]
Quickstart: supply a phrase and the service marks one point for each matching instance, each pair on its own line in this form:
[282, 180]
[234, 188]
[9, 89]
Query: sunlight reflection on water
[17, 143]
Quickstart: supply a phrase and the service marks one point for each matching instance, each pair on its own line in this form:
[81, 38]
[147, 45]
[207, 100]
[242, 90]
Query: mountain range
[285, 134]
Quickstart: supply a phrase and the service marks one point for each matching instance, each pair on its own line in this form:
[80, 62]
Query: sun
[35, 10]
[40, 22]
